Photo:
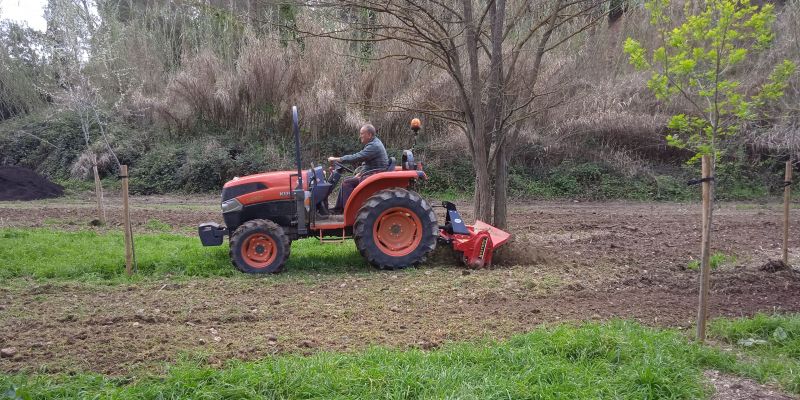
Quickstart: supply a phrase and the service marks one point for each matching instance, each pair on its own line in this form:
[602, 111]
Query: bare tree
[491, 50]
[71, 29]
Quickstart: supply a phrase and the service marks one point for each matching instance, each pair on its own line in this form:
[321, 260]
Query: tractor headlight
[231, 205]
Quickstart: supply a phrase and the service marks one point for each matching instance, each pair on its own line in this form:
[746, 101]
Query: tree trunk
[705, 249]
[476, 127]
[495, 110]
[483, 192]
[98, 191]
[501, 187]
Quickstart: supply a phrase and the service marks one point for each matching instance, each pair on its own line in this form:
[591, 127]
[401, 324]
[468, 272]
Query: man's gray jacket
[373, 157]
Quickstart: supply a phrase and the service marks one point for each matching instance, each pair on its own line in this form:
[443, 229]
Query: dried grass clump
[82, 167]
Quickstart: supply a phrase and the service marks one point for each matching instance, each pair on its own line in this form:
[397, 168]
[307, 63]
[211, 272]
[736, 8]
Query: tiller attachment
[476, 243]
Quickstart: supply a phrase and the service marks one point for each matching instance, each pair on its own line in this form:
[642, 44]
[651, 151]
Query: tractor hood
[266, 186]
[270, 179]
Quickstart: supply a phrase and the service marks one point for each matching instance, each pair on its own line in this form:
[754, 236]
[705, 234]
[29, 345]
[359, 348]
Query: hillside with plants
[190, 94]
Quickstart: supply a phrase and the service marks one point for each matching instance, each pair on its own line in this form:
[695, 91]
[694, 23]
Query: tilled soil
[728, 387]
[568, 262]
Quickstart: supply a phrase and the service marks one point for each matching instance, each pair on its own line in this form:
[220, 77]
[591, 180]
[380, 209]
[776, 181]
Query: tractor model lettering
[392, 225]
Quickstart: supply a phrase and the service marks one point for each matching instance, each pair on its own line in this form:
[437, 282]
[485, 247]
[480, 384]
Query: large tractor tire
[259, 246]
[395, 228]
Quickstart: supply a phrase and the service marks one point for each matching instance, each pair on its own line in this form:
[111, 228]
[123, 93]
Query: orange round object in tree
[415, 124]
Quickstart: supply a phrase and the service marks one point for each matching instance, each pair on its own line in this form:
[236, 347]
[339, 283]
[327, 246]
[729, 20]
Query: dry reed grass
[589, 93]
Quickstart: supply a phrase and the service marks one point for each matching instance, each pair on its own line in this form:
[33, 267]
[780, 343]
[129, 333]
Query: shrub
[47, 144]
[157, 171]
[256, 157]
[207, 167]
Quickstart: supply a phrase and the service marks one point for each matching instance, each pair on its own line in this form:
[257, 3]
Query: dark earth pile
[18, 183]
[774, 266]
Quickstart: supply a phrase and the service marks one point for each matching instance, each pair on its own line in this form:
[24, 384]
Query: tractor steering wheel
[339, 165]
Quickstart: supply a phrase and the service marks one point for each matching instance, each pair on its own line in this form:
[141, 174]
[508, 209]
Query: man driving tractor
[391, 224]
[373, 159]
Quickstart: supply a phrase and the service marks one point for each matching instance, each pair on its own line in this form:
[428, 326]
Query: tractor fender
[375, 183]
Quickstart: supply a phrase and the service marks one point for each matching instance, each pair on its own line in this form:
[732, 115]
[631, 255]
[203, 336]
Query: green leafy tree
[698, 61]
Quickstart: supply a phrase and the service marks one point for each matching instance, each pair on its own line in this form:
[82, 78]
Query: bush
[256, 157]
[668, 187]
[46, 144]
[453, 175]
[207, 167]
[157, 171]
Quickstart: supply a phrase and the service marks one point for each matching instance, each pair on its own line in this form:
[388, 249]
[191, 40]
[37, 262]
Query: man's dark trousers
[348, 186]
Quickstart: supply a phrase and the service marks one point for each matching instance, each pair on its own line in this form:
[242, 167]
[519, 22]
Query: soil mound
[521, 252]
[774, 266]
[18, 183]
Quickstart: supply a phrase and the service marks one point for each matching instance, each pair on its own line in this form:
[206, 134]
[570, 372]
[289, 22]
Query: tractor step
[329, 219]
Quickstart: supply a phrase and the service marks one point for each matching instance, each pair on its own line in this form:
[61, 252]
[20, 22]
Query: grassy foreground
[618, 359]
[87, 255]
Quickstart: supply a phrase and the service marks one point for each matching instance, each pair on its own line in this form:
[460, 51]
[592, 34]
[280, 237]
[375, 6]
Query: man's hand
[334, 159]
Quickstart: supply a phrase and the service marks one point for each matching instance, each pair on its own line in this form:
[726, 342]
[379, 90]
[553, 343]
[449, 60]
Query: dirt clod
[8, 352]
[575, 287]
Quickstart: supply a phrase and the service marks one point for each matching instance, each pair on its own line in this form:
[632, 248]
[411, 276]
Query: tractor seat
[389, 167]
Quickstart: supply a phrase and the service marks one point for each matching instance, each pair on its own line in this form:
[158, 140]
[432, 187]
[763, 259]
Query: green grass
[772, 343]
[716, 260]
[157, 225]
[615, 360]
[87, 255]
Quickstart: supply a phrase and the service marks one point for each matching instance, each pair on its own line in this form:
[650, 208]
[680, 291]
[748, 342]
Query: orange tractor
[392, 225]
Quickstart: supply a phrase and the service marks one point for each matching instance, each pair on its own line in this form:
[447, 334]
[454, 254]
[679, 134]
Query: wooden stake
[787, 196]
[705, 249]
[127, 218]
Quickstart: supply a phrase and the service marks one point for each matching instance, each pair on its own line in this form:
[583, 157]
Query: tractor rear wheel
[259, 246]
[395, 228]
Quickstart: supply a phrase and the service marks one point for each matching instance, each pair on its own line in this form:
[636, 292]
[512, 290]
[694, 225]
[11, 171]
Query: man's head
[366, 133]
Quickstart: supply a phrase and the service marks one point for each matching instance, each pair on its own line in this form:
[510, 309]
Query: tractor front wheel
[395, 228]
[259, 246]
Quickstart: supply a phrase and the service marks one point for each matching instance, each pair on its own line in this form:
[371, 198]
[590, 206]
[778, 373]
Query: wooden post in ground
[787, 196]
[127, 222]
[705, 249]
